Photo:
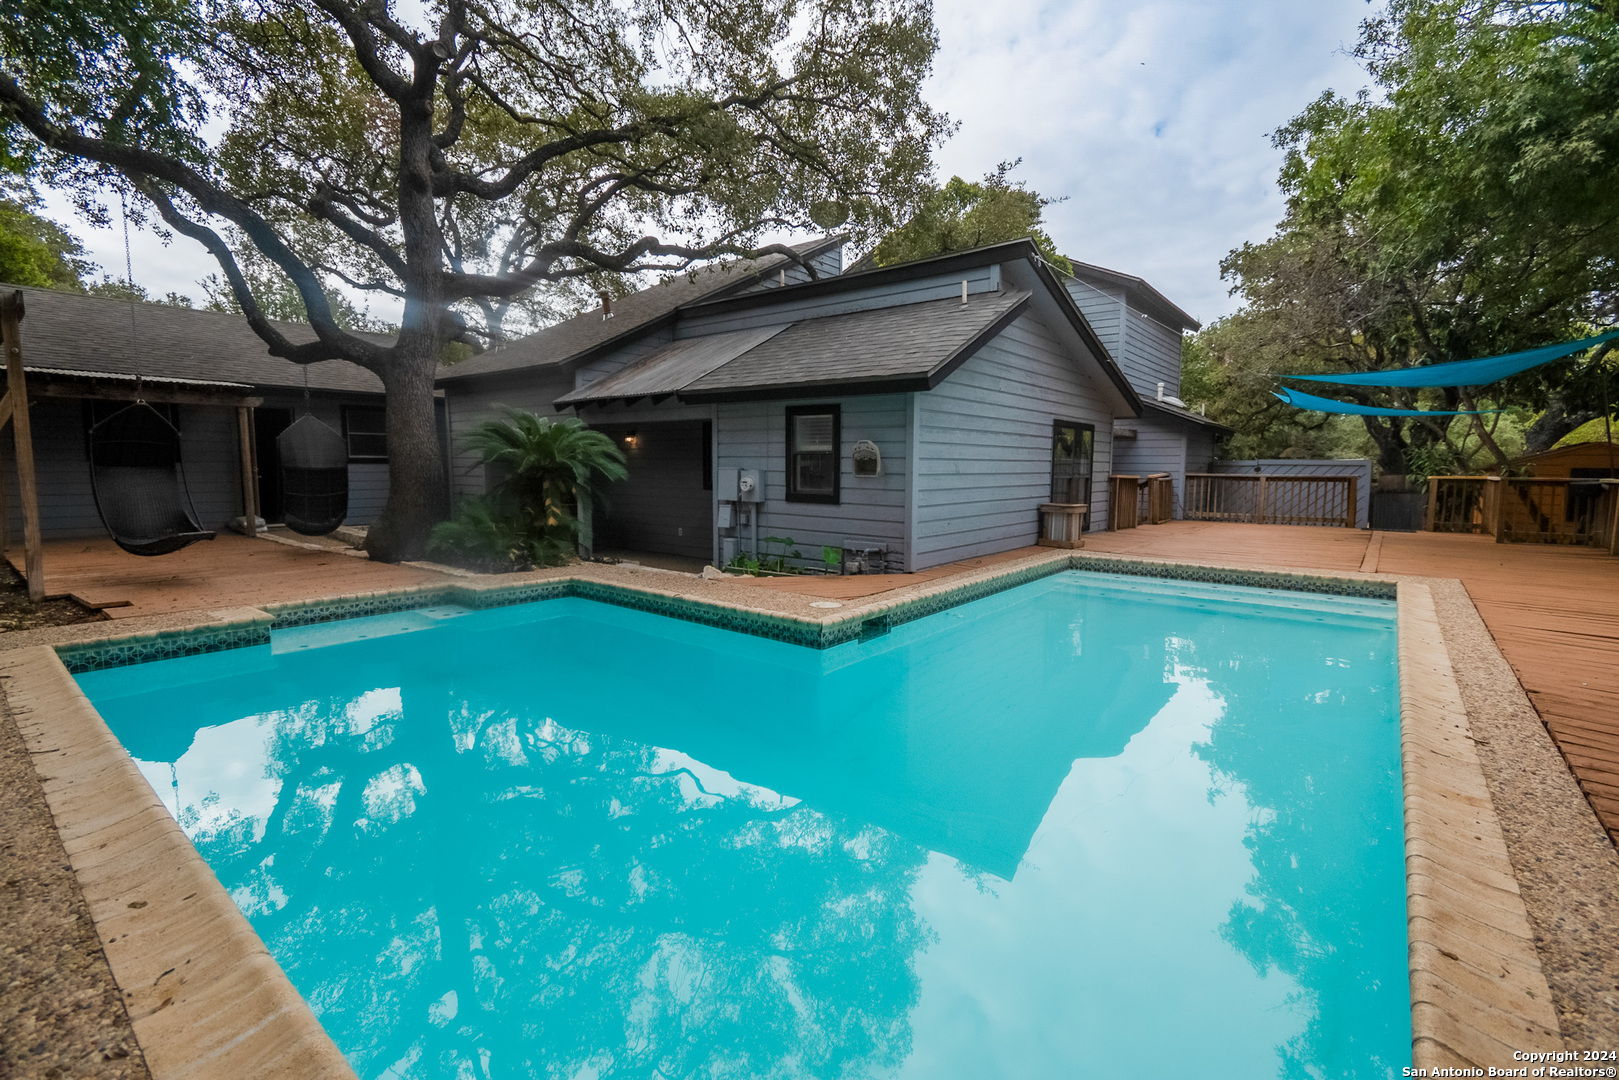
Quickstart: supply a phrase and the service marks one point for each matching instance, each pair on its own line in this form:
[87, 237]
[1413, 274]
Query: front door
[1073, 449]
[268, 424]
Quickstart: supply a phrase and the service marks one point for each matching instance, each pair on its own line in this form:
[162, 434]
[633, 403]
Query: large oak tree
[455, 160]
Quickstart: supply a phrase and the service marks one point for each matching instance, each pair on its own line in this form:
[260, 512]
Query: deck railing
[1527, 510]
[1138, 500]
[1271, 500]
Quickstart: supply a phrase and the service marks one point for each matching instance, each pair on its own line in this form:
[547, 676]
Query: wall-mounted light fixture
[632, 440]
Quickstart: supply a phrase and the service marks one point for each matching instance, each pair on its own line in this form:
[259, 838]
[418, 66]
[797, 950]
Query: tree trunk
[418, 497]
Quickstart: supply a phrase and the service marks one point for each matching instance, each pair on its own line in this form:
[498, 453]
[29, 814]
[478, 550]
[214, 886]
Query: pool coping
[1478, 991]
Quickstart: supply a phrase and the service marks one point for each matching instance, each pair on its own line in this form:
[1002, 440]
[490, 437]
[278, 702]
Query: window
[813, 455]
[366, 429]
[1073, 448]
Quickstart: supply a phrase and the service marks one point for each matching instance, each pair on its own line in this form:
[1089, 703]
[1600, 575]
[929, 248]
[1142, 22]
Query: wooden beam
[250, 504]
[47, 387]
[11, 313]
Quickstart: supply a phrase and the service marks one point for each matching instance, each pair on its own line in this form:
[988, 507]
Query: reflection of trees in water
[1326, 844]
[559, 900]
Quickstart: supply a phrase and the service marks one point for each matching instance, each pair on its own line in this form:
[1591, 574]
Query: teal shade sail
[1460, 372]
[1301, 400]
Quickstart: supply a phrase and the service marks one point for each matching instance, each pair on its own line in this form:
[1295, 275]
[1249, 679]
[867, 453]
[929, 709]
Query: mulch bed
[61, 1014]
[17, 612]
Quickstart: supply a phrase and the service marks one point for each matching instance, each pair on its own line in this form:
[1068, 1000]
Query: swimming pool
[1093, 825]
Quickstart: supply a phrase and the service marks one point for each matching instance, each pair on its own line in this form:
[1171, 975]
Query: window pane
[813, 433]
[366, 428]
[1062, 444]
[812, 473]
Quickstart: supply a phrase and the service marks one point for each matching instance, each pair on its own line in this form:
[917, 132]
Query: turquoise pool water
[1094, 826]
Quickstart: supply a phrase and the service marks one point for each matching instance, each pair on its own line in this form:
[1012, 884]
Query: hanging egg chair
[314, 476]
[138, 481]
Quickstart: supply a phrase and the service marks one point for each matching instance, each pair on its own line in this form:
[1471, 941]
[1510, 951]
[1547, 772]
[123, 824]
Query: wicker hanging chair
[139, 482]
[314, 476]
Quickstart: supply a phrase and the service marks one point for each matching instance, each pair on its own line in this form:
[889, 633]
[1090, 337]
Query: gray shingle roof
[911, 346]
[588, 331]
[73, 332]
[672, 367]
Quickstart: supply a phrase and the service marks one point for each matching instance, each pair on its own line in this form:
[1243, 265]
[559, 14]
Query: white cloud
[1152, 117]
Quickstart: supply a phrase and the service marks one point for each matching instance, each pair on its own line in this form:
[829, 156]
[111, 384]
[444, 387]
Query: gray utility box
[750, 486]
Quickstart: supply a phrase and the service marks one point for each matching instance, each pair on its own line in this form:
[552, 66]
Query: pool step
[344, 631]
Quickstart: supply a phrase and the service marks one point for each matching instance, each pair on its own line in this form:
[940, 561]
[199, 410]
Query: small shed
[1582, 461]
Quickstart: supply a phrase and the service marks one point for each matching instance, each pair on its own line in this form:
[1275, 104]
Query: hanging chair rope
[137, 471]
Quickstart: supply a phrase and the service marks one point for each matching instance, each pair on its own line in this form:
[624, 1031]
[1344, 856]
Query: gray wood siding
[753, 435]
[662, 506]
[1102, 308]
[980, 279]
[984, 446]
[827, 264]
[1146, 349]
[67, 508]
[1151, 353]
[1157, 448]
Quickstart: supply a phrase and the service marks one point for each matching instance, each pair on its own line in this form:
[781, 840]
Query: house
[1143, 330]
[85, 357]
[912, 415]
[1577, 461]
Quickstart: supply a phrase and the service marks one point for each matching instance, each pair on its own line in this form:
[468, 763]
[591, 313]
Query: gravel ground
[61, 1014]
[1567, 868]
[17, 612]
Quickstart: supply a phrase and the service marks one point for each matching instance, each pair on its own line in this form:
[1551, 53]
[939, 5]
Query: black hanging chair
[314, 476]
[139, 482]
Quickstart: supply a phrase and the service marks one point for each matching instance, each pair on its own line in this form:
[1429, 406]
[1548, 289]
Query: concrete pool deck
[1481, 954]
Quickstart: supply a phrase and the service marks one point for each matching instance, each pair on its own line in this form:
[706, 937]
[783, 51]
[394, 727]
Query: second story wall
[1147, 350]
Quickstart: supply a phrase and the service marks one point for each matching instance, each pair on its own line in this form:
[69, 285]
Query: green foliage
[772, 559]
[36, 251]
[529, 517]
[112, 288]
[960, 216]
[1470, 209]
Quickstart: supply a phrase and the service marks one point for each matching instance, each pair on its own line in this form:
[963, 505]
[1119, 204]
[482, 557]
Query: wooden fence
[1271, 500]
[1534, 511]
[1133, 500]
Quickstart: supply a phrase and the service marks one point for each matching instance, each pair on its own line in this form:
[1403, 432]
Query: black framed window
[813, 452]
[1073, 452]
[366, 429]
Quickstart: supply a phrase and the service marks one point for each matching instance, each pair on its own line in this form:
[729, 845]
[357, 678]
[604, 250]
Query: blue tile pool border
[245, 627]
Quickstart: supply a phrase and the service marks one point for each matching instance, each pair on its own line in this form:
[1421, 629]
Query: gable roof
[1141, 294]
[891, 349]
[588, 334]
[862, 347]
[1045, 292]
[94, 336]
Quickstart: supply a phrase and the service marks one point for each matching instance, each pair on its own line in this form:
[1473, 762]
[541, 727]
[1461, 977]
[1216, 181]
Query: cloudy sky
[1151, 117]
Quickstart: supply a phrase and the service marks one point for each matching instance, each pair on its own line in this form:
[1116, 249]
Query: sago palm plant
[543, 466]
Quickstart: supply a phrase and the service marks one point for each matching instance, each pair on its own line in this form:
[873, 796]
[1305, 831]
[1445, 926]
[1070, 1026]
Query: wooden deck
[230, 571]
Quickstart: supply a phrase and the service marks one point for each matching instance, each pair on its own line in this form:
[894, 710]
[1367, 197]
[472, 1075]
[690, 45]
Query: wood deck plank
[229, 571]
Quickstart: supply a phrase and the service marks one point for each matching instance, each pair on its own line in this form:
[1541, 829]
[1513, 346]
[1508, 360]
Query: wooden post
[1354, 503]
[1259, 502]
[250, 504]
[1433, 505]
[11, 313]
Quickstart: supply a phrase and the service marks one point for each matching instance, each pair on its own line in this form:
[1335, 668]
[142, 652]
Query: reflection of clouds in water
[390, 796]
[999, 1001]
[366, 711]
[223, 779]
[260, 893]
[703, 786]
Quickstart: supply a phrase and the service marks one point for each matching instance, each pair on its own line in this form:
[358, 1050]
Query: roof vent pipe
[964, 291]
[1160, 391]
[607, 306]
